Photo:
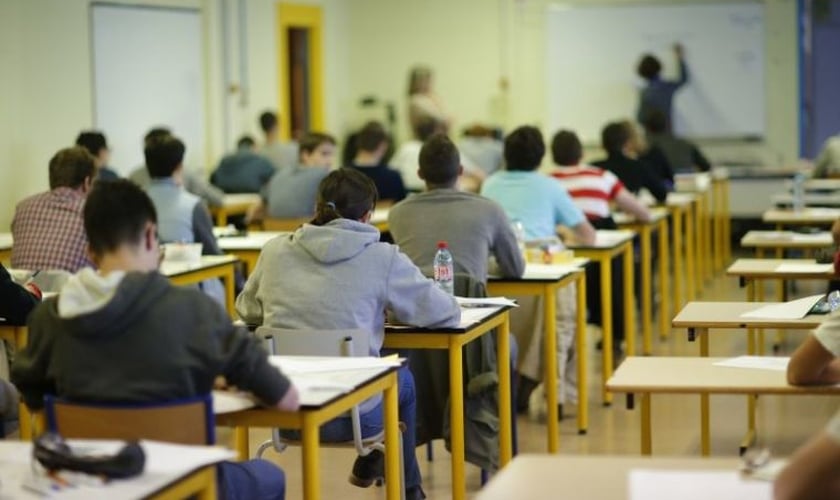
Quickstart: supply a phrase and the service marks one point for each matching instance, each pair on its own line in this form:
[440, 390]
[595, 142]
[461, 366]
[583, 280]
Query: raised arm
[683, 67]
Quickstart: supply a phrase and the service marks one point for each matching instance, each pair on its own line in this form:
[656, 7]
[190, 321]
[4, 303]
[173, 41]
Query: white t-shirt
[833, 427]
[406, 161]
[828, 333]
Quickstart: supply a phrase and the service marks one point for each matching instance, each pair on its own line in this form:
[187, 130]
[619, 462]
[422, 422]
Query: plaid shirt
[49, 233]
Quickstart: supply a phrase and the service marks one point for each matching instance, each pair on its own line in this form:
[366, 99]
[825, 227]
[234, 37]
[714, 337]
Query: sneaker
[523, 393]
[368, 470]
[415, 493]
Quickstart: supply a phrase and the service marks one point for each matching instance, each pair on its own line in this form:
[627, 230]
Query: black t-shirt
[635, 175]
[388, 182]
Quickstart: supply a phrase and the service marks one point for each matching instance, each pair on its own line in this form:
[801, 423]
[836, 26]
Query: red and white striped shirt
[591, 188]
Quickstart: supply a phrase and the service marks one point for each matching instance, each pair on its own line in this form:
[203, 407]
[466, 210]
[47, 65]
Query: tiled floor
[783, 423]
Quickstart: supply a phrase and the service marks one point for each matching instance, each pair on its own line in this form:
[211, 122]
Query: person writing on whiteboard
[658, 94]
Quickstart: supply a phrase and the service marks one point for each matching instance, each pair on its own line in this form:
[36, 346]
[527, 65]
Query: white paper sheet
[794, 309]
[301, 365]
[795, 267]
[695, 485]
[548, 271]
[774, 363]
[471, 316]
[472, 302]
[229, 402]
[813, 238]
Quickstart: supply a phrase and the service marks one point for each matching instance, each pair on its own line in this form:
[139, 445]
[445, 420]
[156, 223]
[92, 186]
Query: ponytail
[344, 194]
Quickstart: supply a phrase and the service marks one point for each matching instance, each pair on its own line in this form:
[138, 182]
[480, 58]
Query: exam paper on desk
[773, 363]
[695, 485]
[794, 309]
[793, 267]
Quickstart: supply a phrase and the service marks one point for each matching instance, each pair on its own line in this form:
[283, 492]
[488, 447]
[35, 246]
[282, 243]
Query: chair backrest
[184, 421]
[316, 342]
[270, 224]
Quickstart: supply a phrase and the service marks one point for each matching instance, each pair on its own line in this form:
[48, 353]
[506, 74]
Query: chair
[270, 224]
[134, 421]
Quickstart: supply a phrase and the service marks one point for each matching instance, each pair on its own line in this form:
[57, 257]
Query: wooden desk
[602, 477]
[806, 217]
[779, 241]
[540, 281]
[681, 208]
[812, 200]
[6, 242]
[379, 218]
[722, 219]
[608, 245]
[699, 184]
[453, 339]
[679, 375]
[234, 204]
[659, 224]
[247, 248]
[211, 266]
[317, 408]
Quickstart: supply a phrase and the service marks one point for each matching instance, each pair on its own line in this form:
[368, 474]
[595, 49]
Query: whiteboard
[148, 71]
[592, 53]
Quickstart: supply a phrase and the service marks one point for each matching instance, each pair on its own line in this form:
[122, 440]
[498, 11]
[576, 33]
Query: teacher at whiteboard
[658, 94]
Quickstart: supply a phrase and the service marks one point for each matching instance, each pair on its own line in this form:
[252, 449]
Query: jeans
[252, 479]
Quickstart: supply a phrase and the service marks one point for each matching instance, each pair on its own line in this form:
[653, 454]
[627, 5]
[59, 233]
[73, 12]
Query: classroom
[443, 249]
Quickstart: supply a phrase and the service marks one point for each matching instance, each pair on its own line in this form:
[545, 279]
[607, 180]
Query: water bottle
[444, 268]
[519, 231]
[798, 192]
[833, 300]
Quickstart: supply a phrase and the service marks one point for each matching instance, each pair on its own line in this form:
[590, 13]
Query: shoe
[523, 393]
[368, 470]
[415, 493]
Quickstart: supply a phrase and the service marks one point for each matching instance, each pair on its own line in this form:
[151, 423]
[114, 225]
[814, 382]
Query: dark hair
[649, 67]
[268, 121]
[246, 141]
[154, 134]
[164, 155]
[311, 140]
[440, 162]
[371, 136]
[425, 127]
[92, 140]
[344, 194]
[566, 149]
[524, 148]
[655, 122]
[115, 213]
[614, 137]
[70, 167]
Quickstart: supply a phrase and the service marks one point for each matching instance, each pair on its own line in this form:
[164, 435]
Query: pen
[32, 276]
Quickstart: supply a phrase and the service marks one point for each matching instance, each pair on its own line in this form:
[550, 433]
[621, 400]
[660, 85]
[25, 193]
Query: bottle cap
[442, 244]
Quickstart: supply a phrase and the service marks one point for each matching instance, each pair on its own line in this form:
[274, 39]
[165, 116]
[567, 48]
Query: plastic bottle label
[443, 273]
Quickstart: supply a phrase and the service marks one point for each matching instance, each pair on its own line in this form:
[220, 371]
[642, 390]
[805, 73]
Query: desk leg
[606, 327]
[505, 411]
[679, 263]
[582, 356]
[456, 420]
[690, 262]
[629, 306]
[230, 286]
[647, 292]
[705, 441]
[550, 362]
[751, 331]
[240, 442]
[208, 491]
[699, 240]
[647, 444]
[393, 456]
[727, 221]
[311, 449]
[221, 217]
[759, 296]
[664, 306]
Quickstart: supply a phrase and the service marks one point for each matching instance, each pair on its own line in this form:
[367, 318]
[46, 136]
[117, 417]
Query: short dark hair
[566, 149]
[246, 141]
[655, 122]
[268, 121]
[649, 67]
[164, 155]
[344, 193]
[614, 137]
[154, 134]
[70, 167]
[115, 214]
[92, 140]
[440, 162]
[524, 148]
[425, 127]
[371, 136]
[311, 140]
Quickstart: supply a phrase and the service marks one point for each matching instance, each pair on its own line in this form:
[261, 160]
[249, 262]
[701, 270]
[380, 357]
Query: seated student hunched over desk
[371, 146]
[243, 171]
[621, 160]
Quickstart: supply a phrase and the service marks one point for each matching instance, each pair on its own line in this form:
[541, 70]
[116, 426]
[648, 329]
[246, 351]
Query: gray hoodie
[339, 276]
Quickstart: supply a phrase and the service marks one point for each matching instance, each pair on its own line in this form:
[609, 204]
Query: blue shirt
[539, 202]
[658, 95]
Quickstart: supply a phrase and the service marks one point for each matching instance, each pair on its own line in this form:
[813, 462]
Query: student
[281, 154]
[658, 94]
[243, 171]
[94, 141]
[406, 159]
[337, 275]
[682, 155]
[16, 301]
[372, 144]
[483, 148]
[423, 103]
[540, 205]
[827, 164]
[47, 228]
[616, 140]
[811, 472]
[817, 360]
[291, 192]
[183, 218]
[124, 334]
[652, 158]
[194, 182]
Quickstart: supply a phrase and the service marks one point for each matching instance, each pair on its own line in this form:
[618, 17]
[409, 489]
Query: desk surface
[471, 317]
[811, 199]
[728, 315]
[6, 241]
[674, 375]
[537, 477]
[166, 464]
[172, 269]
[780, 269]
[786, 239]
[607, 239]
[253, 240]
[233, 200]
[380, 215]
[544, 272]
[656, 214]
[806, 216]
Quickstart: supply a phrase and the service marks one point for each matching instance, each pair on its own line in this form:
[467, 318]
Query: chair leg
[430, 452]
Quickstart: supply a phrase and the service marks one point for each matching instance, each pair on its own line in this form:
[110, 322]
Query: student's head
[649, 67]
[74, 168]
[345, 194]
[566, 149]
[155, 134]
[317, 150]
[164, 156]
[440, 163]
[427, 126]
[524, 148]
[419, 80]
[120, 220]
[372, 139]
[636, 143]
[656, 122]
[94, 141]
[615, 138]
[268, 124]
[245, 142]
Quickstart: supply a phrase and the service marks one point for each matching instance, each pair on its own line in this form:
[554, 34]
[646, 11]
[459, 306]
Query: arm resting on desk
[628, 203]
[813, 364]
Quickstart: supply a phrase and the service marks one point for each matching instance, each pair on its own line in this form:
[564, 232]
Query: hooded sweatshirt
[339, 276]
[133, 338]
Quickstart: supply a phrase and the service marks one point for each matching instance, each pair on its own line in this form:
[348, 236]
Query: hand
[290, 401]
[679, 50]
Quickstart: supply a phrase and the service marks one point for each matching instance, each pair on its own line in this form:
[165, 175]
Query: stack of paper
[794, 309]
[472, 302]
